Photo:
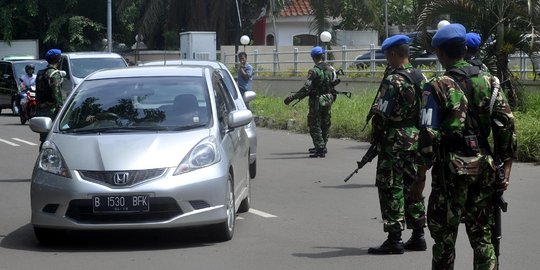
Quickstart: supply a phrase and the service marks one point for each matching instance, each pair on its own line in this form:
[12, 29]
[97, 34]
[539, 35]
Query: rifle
[500, 206]
[345, 93]
[371, 153]
[387, 72]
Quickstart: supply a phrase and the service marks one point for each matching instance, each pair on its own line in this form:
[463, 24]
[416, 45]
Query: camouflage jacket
[396, 110]
[53, 79]
[318, 82]
[445, 111]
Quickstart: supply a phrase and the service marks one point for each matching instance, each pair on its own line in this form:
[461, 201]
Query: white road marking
[23, 141]
[261, 213]
[8, 142]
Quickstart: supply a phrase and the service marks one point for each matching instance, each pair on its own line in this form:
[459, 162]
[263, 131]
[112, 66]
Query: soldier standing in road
[48, 88]
[318, 83]
[460, 109]
[395, 131]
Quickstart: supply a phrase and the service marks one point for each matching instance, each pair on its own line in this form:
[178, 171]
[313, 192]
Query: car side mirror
[239, 118]
[40, 124]
[249, 96]
[63, 73]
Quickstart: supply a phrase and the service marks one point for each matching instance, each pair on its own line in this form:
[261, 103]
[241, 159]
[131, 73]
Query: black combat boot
[318, 153]
[313, 150]
[392, 245]
[417, 242]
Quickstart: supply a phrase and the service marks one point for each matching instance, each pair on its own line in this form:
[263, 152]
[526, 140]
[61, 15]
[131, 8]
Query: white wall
[288, 27]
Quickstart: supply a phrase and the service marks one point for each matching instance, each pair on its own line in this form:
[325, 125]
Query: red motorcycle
[28, 104]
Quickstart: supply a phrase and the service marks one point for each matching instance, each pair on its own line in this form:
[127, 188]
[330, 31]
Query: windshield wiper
[114, 129]
[188, 127]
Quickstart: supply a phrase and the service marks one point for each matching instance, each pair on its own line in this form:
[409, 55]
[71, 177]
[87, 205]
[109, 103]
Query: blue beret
[451, 32]
[52, 52]
[317, 51]
[472, 40]
[395, 41]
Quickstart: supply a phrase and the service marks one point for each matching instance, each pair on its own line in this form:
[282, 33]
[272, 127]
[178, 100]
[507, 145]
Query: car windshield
[82, 67]
[135, 104]
[19, 67]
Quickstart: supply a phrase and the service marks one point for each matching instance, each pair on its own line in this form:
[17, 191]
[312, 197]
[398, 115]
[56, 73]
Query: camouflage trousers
[452, 197]
[396, 172]
[318, 121]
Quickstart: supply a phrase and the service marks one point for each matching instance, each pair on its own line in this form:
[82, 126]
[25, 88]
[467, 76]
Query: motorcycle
[28, 104]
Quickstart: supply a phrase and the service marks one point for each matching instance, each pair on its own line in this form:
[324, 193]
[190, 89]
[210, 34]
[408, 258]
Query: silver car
[141, 148]
[240, 100]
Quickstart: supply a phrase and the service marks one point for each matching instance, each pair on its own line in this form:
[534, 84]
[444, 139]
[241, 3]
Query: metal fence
[297, 62]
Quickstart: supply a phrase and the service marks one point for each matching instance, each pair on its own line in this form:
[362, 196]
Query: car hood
[134, 151]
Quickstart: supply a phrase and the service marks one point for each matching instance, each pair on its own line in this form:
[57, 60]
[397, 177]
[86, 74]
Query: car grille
[161, 209]
[121, 179]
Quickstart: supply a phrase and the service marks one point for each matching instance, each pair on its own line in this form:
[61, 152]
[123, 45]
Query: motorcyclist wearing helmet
[29, 78]
[318, 83]
[48, 88]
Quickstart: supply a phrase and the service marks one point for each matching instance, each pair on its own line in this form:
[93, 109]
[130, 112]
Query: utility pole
[109, 25]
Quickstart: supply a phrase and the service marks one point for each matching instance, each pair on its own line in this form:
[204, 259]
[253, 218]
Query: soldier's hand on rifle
[503, 185]
[289, 99]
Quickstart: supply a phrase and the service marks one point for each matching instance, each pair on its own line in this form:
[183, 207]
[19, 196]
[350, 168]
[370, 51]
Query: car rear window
[82, 67]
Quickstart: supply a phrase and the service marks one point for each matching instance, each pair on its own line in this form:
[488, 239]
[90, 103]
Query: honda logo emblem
[121, 178]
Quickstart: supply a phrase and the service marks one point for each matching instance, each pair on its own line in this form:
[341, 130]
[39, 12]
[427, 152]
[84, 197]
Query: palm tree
[503, 24]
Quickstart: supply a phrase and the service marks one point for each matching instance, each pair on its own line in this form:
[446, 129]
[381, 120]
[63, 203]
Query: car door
[233, 141]
[8, 84]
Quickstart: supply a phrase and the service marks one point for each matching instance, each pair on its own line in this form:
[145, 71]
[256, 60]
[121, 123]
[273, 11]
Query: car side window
[65, 66]
[224, 103]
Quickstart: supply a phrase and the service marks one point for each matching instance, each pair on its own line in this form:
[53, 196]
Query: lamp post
[442, 24]
[244, 40]
[325, 38]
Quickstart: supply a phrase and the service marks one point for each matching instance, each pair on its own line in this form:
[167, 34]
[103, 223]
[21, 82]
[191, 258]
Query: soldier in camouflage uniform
[48, 88]
[450, 141]
[317, 85]
[395, 131]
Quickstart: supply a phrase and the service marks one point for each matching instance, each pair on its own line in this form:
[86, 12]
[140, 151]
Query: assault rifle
[371, 153]
[500, 206]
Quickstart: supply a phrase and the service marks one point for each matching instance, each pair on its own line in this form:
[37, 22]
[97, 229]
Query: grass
[348, 119]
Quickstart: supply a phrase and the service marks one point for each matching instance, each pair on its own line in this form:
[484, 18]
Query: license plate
[121, 203]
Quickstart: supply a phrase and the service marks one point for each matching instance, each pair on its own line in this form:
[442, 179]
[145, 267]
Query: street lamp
[442, 24]
[244, 40]
[325, 38]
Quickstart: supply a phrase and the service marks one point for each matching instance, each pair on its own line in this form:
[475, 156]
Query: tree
[506, 26]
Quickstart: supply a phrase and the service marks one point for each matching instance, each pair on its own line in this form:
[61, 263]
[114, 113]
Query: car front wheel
[224, 231]
[47, 236]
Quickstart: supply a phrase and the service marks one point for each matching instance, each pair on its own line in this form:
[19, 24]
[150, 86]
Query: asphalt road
[304, 217]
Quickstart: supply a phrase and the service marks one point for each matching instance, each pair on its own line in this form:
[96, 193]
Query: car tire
[246, 202]
[224, 231]
[253, 169]
[14, 108]
[46, 236]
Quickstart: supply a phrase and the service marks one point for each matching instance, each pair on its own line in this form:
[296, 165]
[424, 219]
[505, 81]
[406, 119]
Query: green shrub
[348, 119]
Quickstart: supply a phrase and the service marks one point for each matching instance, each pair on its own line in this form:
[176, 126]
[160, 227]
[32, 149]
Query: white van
[78, 65]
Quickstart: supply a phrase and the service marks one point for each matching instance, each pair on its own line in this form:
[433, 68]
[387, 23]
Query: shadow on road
[289, 155]
[335, 252]
[106, 241]
[14, 180]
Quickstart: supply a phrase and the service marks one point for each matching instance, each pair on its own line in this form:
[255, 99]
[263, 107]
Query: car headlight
[50, 160]
[204, 154]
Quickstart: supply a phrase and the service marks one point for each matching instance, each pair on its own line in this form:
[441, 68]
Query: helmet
[28, 67]
[52, 52]
[316, 51]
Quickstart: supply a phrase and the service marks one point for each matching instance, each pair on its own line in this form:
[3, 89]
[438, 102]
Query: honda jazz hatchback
[143, 148]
